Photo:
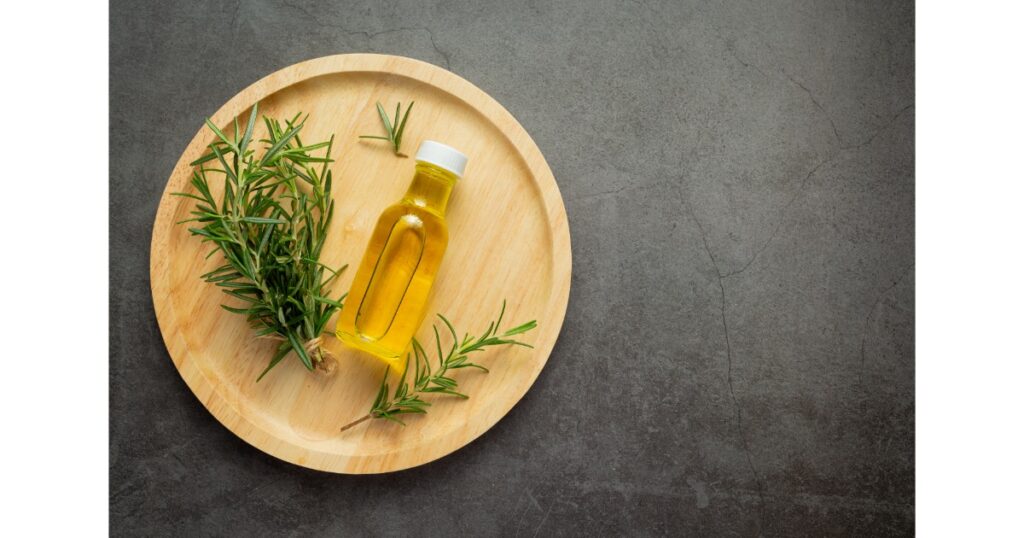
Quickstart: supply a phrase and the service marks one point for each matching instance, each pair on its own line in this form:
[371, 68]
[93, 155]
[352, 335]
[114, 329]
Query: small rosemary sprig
[270, 225]
[394, 129]
[427, 379]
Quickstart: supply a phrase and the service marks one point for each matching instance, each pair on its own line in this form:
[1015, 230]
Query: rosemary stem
[356, 422]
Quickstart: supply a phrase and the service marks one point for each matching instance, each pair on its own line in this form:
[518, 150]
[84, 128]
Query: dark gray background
[738, 353]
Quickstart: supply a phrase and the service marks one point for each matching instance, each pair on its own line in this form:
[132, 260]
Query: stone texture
[738, 354]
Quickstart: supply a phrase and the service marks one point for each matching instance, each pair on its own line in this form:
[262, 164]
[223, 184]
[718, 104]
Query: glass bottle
[388, 299]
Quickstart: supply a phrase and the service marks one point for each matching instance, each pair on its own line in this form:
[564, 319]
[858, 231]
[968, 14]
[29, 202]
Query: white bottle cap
[441, 155]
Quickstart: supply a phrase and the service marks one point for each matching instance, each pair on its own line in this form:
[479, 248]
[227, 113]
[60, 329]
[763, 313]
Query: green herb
[426, 379]
[270, 225]
[394, 129]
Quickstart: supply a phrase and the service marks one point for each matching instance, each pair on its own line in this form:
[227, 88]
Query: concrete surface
[738, 354]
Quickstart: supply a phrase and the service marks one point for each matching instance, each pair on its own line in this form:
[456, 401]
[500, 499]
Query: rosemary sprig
[270, 225]
[427, 379]
[394, 129]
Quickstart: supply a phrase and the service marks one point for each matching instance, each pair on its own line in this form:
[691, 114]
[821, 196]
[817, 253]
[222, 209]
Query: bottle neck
[430, 188]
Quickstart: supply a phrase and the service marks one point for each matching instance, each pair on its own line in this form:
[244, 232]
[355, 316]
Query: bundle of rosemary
[270, 225]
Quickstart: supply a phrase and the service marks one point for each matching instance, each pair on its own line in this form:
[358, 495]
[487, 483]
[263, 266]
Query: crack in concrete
[803, 185]
[522, 518]
[775, 232]
[447, 59]
[370, 35]
[750, 65]
[234, 15]
[729, 360]
[612, 192]
[867, 321]
[543, 520]
[810, 94]
[732, 52]
[598, 194]
[721, 286]
[888, 125]
[781, 219]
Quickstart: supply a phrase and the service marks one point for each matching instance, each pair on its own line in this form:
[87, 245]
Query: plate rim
[191, 370]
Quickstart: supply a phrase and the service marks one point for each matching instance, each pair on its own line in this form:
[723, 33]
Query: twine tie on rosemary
[314, 348]
[316, 344]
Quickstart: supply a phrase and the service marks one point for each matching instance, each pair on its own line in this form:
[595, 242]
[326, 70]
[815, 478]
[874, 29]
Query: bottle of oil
[388, 299]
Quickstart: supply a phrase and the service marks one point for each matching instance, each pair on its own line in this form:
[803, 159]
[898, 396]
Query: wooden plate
[509, 239]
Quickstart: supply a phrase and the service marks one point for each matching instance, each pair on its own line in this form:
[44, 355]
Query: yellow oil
[388, 299]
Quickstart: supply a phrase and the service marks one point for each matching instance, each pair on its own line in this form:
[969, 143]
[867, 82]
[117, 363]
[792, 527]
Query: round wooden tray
[509, 239]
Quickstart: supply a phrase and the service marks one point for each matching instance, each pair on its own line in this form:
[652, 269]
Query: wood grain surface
[509, 239]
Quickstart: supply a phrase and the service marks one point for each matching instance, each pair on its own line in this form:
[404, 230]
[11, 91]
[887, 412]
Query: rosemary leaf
[395, 129]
